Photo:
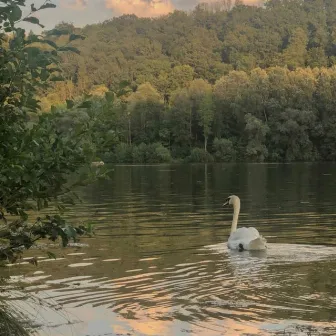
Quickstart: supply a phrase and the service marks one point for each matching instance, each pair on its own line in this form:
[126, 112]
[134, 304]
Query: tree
[206, 115]
[36, 157]
[295, 54]
[146, 109]
[256, 132]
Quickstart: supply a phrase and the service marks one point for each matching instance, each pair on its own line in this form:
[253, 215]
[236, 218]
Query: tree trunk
[190, 127]
[129, 132]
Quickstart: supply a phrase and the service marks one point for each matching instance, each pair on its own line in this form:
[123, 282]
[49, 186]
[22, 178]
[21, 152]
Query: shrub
[199, 155]
[179, 152]
[224, 150]
[160, 153]
[139, 153]
[123, 153]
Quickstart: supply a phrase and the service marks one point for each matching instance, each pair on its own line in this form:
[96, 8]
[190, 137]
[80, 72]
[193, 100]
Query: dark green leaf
[109, 96]
[23, 214]
[74, 37]
[58, 32]
[56, 79]
[51, 43]
[85, 104]
[51, 255]
[48, 5]
[124, 84]
[70, 232]
[33, 20]
[72, 49]
[70, 104]
[15, 13]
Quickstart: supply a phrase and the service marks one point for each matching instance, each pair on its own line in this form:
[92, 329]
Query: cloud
[74, 4]
[141, 8]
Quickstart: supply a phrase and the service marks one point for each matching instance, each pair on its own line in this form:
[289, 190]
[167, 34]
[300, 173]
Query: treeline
[223, 82]
[264, 115]
[212, 40]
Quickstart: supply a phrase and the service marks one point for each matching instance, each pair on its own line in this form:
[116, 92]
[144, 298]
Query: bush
[256, 152]
[199, 155]
[152, 153]
[139, 153]
[224, 150]
[123, 153]
[179, 152]
[160, 154]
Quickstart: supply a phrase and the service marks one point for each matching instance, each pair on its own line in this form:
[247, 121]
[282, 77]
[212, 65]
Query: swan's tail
[257, 244]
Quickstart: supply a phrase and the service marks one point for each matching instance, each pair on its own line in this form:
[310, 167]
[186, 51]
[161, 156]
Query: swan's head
[232, 200]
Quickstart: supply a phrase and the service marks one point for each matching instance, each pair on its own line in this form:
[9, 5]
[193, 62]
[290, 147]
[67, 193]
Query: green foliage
[39, 161]
[123, 153]
[206, 115]
[256, 132]
[224, 150]
[273, 114]
[263, 77]
[198, 155]
[152, 153]
[170, 51]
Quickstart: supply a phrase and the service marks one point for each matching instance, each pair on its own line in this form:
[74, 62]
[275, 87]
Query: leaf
[124, 84]
[33, 51]
[70, 232]
[58, 32]
[44, 75]
[15, 13]
[51, 255]
[11, 69]
[74, 37]
[33, 20]
[70, 104]
[85, 104]
[72, 49]
[56, 79]
[51, 43]
[109, 96]
[64, 236]
[48, 5]
[23, 214]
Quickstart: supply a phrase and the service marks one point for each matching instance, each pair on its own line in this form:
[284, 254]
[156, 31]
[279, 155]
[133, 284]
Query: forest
[224, 82]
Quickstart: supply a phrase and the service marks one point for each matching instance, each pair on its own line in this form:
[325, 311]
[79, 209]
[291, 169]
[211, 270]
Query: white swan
[243, 238]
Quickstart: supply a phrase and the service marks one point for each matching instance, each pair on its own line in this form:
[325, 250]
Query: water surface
[159, 263]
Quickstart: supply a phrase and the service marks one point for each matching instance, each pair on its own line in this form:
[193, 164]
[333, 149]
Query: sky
[82, 12]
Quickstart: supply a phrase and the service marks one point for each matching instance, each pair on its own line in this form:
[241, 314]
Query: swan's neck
[236, 210]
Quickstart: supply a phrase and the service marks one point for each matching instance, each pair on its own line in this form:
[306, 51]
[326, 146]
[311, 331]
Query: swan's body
[243, 238]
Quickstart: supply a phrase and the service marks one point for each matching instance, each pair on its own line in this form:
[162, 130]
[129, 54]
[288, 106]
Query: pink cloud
[141, 8]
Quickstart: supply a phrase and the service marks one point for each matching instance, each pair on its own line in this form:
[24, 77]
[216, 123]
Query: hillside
[255, 83]
[212, 42]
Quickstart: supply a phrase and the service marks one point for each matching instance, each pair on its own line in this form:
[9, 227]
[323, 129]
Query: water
[159, 263]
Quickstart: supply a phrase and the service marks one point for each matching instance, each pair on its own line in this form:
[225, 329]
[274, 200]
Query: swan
[243, 238]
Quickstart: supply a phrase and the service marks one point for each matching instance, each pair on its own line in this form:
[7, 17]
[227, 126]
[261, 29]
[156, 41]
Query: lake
[159, 265]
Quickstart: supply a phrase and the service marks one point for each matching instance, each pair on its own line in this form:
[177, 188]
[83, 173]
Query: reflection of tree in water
[22, 312]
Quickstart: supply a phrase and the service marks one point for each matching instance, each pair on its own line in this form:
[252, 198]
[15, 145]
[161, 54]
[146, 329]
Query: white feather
[245, 238]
